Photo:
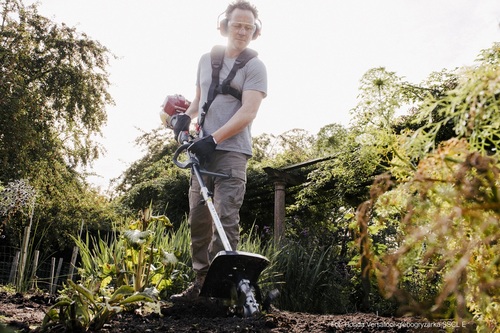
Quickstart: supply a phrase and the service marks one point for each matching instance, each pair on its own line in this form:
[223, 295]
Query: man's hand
[180, 124]
[203, 148]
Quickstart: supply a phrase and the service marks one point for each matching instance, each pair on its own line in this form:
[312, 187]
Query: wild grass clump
[313, 280]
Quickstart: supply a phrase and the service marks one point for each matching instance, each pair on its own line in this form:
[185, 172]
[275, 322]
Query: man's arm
[251, 100]
[192, 110]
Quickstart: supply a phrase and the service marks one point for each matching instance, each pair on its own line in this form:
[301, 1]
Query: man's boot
[192, 293]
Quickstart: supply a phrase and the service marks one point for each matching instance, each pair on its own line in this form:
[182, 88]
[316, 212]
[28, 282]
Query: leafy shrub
[451, 238]
[447, 204]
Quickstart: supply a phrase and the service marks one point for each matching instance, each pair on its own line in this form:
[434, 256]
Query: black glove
[181, 124]
[203, 148]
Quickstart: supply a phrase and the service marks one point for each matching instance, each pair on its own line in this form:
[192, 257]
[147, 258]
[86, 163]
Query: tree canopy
[54, 90]
[52, 104]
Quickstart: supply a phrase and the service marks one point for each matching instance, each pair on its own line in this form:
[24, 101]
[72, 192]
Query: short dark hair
[241, 4]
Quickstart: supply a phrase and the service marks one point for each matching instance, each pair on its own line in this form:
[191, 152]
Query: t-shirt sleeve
[256, 76]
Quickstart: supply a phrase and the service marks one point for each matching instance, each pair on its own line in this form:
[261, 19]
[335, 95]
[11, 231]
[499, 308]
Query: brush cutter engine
[172, 106]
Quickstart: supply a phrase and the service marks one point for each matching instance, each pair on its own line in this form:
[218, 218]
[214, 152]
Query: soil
[25, 313]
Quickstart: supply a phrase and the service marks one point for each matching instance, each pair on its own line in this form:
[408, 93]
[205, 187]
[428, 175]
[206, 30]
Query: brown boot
[192, 293]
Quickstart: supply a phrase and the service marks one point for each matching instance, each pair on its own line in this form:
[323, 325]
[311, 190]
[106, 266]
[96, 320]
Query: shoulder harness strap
[240, 62]
[217, 59]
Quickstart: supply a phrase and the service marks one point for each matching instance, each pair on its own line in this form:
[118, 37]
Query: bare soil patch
[24, 313]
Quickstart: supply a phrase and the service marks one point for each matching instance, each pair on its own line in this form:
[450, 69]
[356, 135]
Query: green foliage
[313, 280]
[379, 99]
[133, 266]
[53, 91]
[81, 310]
[334, 186]
[52, 100]
[330, 140]
[471, 105]
[439, 221]
[138, 255]
[66, 207]
[293, 146]
[155, 180]
[262, 148]
[252, 242]
[451, 200]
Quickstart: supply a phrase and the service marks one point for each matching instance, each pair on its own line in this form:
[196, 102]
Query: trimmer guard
[228, 268]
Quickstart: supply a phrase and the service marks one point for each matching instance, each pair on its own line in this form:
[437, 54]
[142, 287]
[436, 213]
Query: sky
[315, 53]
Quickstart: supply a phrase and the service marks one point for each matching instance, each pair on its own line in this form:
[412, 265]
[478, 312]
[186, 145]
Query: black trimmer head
[230, 267]
[233, 275]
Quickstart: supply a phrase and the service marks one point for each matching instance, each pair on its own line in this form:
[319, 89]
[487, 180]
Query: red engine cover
[175, 104]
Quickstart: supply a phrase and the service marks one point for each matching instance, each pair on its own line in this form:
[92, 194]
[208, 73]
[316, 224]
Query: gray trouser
[228, 197]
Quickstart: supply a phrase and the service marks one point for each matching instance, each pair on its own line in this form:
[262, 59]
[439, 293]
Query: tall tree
[154, 180]
[53, 94]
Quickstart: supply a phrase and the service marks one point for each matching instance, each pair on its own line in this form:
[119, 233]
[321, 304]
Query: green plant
[453, 201]
[81, 310]
[313, 280]
[430, 228]
[139, 255]
[130, 266]
[270, 277]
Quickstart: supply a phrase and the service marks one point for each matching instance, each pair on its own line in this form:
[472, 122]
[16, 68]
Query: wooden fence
[46, 274]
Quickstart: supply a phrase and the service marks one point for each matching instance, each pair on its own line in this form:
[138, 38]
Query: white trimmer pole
[210, 204]
[232, 274]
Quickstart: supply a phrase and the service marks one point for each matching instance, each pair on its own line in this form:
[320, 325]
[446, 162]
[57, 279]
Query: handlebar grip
[183, 136]
[193, 162]
[179, 150]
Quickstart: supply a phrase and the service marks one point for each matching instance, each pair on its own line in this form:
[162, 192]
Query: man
[225, 142]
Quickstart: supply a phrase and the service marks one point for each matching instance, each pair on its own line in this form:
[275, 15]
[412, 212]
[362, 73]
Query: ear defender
[258, 29]
[223, 27]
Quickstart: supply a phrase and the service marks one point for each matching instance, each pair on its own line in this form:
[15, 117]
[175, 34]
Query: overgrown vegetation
[82, 310]
[443, 201]
[52, 104]
[136, 265]
[143, 254]
[394, 214]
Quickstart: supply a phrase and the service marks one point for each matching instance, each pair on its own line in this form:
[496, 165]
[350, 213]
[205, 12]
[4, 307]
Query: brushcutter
[233, 275]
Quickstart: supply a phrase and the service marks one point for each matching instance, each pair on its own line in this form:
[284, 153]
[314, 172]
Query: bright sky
[315, 52]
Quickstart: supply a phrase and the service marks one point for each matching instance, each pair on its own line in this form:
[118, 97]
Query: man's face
[241, 27]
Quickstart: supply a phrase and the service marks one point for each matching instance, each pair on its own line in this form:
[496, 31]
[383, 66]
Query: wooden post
[23, 258]
[35, 268]
[52, 272]
[58, 273]
[72, 265]
[13, 269]
[281, 178]
[279, 210]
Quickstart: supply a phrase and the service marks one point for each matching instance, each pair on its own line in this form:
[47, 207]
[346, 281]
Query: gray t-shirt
[251, 77]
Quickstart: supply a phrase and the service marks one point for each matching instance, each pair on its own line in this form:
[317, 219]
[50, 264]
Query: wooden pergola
[281, 178]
